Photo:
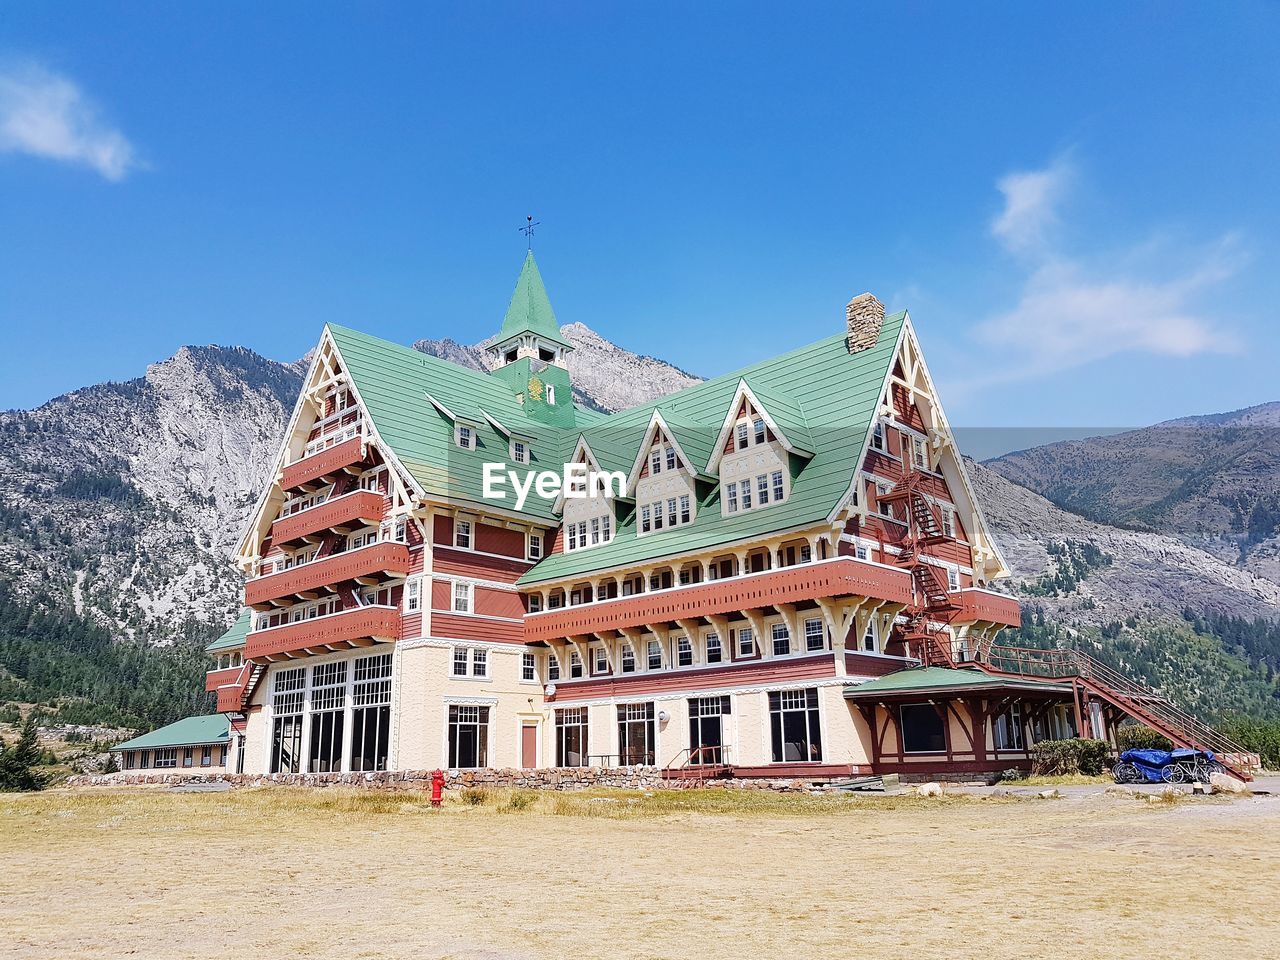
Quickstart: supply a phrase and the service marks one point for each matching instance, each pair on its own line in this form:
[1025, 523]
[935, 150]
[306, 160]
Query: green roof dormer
[530, 328]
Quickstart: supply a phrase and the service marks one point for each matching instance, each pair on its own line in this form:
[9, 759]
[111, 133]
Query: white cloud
[1031, 198]
[1073, 311]
[47, 115]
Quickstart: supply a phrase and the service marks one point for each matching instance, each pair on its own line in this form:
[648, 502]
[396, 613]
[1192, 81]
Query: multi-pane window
[535, 546]
[571, 737]
[684, 652]
[746, 643]
[742, 435]
[877, 437]
[479, 662]
[519, 451]
[528, 667]
[553, 667]
[188, 756]
[468, 736]
[781, 640]
[469, 662]
[646, 521]
[814, 635]
[602, 661]
[413, 595]
[778, 489]
[460, 661]
[1008, 732]
[655, 460]
[885, 508]
[794, 726]
[731, 497]
[757, 426]
[371, 712]
[655, 655]
[948, 522]
[869, 638]
[953, 579]
[671, 457]
[287, 692]
[745, 490]
[714, 651]
[575, 665]
[328, 715]
[167, 757]
[462, 534]
[462, 593]
[466, 437]
[535, 603]
[628, 659]
[685, 509]
[637, 734]
[673, 515]
[706, 729]
[762, 489]
[130, 759]
[206, 756]
[919, 453]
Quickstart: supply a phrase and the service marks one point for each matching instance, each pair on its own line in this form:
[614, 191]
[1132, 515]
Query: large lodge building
[794, 582]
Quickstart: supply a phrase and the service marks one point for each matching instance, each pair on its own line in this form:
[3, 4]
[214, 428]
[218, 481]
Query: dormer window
[464, 436]
[519, 451]
[755, 492]
[671, 458]
[655, 460]
[757, 426]
[742, 435]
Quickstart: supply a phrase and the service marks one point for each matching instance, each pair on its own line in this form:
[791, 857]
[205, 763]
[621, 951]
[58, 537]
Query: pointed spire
[530, 309]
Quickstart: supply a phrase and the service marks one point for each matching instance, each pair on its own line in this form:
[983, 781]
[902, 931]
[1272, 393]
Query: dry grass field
[277, 873]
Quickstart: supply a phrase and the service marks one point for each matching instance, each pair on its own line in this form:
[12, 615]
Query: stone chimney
[864, 316]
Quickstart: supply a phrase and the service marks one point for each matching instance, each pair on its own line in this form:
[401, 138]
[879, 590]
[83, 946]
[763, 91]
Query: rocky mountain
[605, 376]
[123, 501]
[1212, 482]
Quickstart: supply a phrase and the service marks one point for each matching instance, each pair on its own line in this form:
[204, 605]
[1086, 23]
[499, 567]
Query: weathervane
[527, 229]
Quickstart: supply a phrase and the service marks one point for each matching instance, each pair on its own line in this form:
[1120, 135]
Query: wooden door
[529, 745]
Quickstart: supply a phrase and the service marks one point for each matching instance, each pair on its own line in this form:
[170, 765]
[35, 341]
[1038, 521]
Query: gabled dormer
[663, 478]
[589, 513]
[762, 445]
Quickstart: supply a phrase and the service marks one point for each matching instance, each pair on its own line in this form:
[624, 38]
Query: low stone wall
[563, 778]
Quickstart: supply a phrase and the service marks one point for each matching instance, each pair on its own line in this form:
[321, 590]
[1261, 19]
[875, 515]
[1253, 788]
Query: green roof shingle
[234, 637]
[190, 731]
[944, 679]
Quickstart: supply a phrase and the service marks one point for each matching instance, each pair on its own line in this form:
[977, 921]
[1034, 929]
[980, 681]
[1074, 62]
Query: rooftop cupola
[529, 328]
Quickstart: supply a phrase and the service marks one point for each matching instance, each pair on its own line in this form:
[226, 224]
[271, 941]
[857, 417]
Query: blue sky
[1080, 208]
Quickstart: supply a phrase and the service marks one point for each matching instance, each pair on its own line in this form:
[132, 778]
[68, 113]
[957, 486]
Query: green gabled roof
[787, 411]
[393, 381]
[188, 732]
[235, 635]
[944, 679]
[838, 393]
[530, 309]
[695, 440]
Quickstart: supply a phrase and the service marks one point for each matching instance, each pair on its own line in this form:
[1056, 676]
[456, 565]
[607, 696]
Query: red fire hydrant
[437, 788]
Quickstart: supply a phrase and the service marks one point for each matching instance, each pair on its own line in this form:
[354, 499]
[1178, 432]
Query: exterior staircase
[691, 768]
[933, 609]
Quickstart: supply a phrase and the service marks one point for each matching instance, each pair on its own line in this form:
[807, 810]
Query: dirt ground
[318, 874]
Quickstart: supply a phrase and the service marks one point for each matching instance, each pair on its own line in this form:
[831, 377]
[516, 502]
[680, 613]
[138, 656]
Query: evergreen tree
[18, 763]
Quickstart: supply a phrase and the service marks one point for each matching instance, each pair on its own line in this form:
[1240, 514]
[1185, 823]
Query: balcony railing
[335, 631]
[220, 678]
[324, 461]
[362, 505]
[386, 557]
[986, 606]
[838, 577]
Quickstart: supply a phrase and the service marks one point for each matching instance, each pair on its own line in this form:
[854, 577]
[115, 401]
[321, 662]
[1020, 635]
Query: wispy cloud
[1074, 310]
[43, 114]
[1031, 199]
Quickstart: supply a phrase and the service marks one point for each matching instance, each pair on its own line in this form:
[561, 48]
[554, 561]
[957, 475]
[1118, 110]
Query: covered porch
[938, 721]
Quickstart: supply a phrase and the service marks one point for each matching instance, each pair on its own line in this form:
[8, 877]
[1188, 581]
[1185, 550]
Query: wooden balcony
[323, 464]
[374, 561]
[337, 631]
[986, 606]
[220, 678]
[839, 577]
[363, 506]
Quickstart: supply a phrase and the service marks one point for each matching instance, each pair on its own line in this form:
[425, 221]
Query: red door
[529, 745]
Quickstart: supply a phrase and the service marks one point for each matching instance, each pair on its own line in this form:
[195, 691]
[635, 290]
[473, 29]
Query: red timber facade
[791, 578]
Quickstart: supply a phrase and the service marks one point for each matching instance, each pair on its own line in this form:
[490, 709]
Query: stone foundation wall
[566, 778]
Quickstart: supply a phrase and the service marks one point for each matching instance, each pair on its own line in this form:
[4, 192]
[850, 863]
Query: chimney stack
[864, 316]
